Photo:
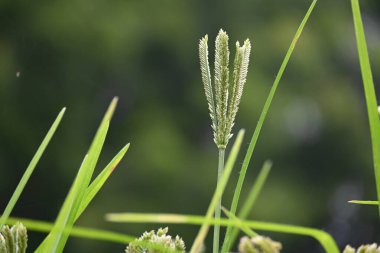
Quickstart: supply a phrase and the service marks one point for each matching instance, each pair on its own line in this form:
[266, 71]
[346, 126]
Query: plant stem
[219, 205]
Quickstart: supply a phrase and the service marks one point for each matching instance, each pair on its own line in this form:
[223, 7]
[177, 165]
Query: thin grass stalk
[219, 205]
[198, 242]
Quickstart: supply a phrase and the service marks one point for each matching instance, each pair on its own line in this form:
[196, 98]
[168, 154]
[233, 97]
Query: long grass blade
[264, 112]
[232, 232]
[321, 236]
[364, 202]
[197, 245]
[369, 90]
[29, 170]
[81, 232]
[57, 239]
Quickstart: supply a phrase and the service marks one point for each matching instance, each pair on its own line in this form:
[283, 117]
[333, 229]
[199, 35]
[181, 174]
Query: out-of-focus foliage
[81, 53]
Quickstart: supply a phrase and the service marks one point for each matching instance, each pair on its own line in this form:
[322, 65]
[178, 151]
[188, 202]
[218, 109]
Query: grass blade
[321, 236]
[29, 170]
[364, 202]
[81, 232]
[99, 181]
[264, 112]
[218, 192]
[369, 90]
[56, 240]
[232, 232]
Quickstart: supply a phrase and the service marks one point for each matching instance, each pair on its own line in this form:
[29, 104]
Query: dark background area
[81, 53]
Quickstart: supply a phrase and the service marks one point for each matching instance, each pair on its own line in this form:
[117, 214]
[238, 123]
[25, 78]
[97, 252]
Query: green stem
[219, 205]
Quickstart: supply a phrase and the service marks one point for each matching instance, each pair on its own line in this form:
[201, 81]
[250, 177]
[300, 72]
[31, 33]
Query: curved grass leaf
[321, 236]
[29, 170]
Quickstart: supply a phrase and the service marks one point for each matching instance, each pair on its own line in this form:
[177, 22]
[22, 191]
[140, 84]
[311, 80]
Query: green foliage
[81, 192]
[369, 90]
[369, 248]
[14, 239]
[149, 241]
[223, 107]
[259, 244]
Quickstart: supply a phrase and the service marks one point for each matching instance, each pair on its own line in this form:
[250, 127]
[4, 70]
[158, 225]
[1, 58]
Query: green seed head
[14, 239]
[223, 100]
[368, 248]
[151, 242]
[259, 244]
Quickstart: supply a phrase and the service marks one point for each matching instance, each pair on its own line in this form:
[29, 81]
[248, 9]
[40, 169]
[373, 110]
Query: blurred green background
[81, 53]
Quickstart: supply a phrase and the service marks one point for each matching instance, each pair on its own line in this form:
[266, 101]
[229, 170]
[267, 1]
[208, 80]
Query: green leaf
[57, 238]
[264, 112]
[369, 90]
[29, 170]
[81, 232]
[218, 193]
[232, 232]
[324, 238]
[364, 202]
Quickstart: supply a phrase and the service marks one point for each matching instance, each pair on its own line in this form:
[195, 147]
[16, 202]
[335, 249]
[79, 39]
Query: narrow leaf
[264, 112]
[29, 170]
[364, 202]
[369, 90]
[57, 239]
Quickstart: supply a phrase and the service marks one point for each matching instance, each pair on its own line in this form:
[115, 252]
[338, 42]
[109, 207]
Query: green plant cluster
[150, 242]
[13, 239]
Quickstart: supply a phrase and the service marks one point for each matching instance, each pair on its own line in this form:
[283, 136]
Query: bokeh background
[82, 53]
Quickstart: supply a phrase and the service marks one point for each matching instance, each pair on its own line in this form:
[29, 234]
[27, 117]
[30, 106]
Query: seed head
[223, 106]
